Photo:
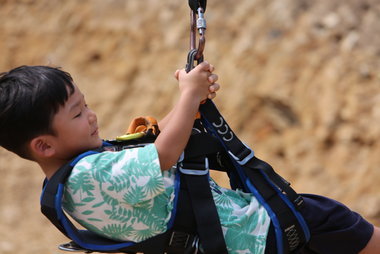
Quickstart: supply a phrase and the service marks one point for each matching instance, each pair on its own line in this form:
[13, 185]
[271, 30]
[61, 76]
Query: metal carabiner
[200, 25]
[201, 21]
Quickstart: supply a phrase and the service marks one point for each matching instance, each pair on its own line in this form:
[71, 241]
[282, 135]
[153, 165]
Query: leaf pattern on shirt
[117, 230]
[127, 183]
[120, 214]
[153, 185]
[143, 234]
[134, 195]
[119, 182]
[82, 183]
[109, 199]
[102, 173]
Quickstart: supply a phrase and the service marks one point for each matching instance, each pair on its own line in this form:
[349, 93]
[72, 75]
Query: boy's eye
[78, 115]
[83, 107]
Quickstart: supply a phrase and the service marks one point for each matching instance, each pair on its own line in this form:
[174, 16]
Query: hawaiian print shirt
[125, 196]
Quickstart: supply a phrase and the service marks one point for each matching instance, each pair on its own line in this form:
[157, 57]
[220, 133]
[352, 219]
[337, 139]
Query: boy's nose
[92, 116]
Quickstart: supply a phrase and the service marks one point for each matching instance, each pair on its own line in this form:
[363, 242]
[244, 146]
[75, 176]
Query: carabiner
[191, 58]
[201, 22]
[200, 25]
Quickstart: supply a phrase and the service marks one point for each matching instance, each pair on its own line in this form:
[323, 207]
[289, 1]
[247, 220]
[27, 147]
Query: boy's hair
[30, 96]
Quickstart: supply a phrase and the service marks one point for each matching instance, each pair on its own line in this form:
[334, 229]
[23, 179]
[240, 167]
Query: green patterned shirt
[125, 196]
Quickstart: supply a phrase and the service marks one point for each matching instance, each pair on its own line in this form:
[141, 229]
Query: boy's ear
[41, 146]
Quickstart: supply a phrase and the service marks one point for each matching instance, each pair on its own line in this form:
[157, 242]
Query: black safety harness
[195, 222]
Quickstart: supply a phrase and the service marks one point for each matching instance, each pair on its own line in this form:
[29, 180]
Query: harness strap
[48, 203]
[280, 182]
[291, 230]
[258, 177]
[241, 153]
[206, 216]
[194, 169]
[195, 4]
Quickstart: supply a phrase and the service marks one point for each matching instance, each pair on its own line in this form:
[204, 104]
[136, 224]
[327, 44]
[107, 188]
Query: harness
[195, 220]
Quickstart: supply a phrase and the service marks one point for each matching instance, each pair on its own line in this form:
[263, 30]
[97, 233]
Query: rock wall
[300, 84]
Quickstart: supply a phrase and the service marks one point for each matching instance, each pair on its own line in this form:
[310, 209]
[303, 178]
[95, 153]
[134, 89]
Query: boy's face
[76, 127]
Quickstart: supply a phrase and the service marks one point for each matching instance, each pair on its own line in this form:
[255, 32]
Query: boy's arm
[163, 122]
[195, 86]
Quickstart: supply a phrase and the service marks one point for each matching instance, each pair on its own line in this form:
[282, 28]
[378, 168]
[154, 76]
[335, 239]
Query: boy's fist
[200, 76]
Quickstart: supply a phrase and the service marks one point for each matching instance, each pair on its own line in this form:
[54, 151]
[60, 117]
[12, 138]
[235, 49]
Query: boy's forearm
[163, 122]
[176, 131]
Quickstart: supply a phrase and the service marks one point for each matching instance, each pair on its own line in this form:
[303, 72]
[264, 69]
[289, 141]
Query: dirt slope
[300, 85]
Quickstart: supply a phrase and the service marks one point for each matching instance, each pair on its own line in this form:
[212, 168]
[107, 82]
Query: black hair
[30, 96]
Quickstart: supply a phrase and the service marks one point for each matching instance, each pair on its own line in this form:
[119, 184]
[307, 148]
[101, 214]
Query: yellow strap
[130, 136]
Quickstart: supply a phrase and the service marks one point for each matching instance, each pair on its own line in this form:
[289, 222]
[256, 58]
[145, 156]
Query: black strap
[195, 179]
[261, 175]
[49, 195]
[293, 234]
[195, 4]
[240, 152]
[206, 216]
[280, 182]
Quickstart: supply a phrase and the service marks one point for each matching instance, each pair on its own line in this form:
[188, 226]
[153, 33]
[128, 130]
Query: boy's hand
[214, 87]
[199, 82]
[195, 86]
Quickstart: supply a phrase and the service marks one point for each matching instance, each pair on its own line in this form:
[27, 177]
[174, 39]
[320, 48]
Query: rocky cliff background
[300, 79]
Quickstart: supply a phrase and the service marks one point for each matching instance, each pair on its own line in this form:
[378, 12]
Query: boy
[128, 195]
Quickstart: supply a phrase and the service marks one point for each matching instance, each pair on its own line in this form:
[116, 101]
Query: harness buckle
[181, 242]
[193, 167]
[179, 239]
[299, 202]
[243, 156]
[72, 247]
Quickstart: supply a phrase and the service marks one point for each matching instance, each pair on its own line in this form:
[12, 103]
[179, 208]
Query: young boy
[128, 195]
